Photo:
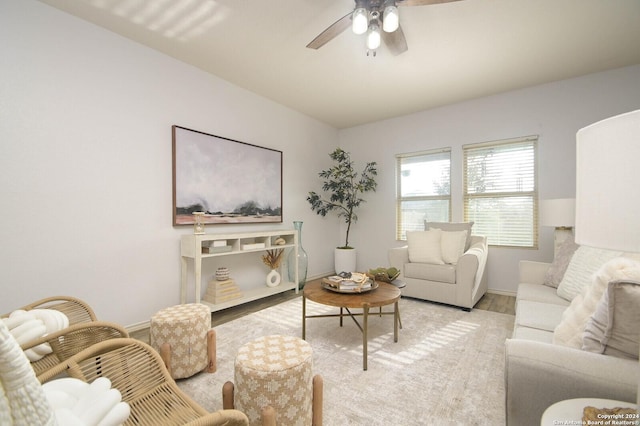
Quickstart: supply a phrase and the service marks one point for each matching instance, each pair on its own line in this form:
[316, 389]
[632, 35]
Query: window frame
[400, 226]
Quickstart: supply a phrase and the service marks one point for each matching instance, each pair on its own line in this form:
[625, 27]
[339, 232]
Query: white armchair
[460, 282]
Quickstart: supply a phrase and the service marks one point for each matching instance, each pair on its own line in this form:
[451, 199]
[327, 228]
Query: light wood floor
[489, 302]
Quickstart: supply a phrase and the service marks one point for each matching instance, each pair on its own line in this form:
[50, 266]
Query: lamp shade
[607, 193]
[360, 21]
[559, 212]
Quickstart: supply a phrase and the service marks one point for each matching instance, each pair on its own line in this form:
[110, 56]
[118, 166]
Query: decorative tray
[335, 287]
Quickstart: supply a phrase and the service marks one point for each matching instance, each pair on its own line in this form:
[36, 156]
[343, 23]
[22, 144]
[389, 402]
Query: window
[500, 191]
[424, 190]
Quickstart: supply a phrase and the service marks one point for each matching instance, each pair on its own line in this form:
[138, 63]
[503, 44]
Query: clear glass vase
[302, 261]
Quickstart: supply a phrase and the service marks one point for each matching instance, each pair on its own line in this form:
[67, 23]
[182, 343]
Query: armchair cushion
[424, 246]
[452, 227]
[452, 244]
[426, 271]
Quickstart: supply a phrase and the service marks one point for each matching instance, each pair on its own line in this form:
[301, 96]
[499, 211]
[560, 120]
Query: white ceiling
[457, 51]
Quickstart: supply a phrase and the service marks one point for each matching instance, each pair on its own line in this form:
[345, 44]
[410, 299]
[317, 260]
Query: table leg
[341, 317]
[365, 328]
[396, 318]
[304, 317]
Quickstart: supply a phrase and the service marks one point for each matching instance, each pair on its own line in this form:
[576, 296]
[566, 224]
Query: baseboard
[138, 326]
[145, 324]
[502, 292]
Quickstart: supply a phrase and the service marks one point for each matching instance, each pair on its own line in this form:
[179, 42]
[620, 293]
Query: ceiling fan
[370, 16]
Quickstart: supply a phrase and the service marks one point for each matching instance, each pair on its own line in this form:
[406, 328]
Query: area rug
[445, 369]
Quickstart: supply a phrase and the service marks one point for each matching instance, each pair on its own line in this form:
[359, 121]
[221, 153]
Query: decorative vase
[273, 278]
[345, 260]
[222, 274]
[302, 261]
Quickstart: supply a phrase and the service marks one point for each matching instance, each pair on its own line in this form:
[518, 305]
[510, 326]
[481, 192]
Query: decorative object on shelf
[198, 223]
[272, 259]
[222, 274]
[384, 274]
[273, 278]
[200, 159]
[345, 187]
[302, 259]
[279, 241]
[222, 291]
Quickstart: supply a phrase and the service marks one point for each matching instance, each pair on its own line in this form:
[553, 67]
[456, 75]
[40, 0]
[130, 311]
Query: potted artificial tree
[345, 188]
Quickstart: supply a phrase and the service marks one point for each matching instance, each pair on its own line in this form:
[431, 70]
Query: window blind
[423, 189]
[500, 191]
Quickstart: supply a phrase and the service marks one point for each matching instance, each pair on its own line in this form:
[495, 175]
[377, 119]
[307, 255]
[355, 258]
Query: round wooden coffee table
[385, 294]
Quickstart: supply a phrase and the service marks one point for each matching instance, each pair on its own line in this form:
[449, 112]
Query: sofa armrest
[532, 272]
[470, 272]
[538, 375]
[398, 256]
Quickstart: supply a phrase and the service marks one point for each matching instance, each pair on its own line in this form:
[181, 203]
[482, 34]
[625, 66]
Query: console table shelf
[200, 247]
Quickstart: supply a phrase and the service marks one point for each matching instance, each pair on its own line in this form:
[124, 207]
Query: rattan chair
[76, 310]
[138, 372]
[83, 331]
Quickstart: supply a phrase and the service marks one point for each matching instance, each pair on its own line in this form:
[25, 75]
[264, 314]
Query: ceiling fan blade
[395, 41]
[331, 32]
[421, 2]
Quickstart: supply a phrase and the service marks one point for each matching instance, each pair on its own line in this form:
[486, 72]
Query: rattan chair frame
[139, 373]
[78, 311]
[71, 340]
[84, 330]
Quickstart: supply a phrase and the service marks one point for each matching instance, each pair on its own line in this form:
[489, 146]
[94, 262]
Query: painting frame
[231, 181]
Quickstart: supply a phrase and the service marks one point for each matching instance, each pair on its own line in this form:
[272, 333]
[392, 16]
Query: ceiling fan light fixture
[390, 19]
[373, 37]
[360, 21]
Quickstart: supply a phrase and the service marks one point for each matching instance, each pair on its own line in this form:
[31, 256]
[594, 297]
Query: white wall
[85, 121]
[553, 111]
[85, 128]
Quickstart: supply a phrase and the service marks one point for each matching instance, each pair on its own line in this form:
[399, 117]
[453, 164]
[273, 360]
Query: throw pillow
[584, 263]
[452, 245]
[452, 227]
[424, 246]
[556, 271]
[569, 331]
[613, 327]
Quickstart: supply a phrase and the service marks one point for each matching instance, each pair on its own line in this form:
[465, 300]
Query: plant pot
[345, 260]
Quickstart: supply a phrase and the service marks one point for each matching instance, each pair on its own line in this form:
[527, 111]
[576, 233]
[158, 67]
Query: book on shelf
[218, 243]
[252, 246]
[219, 249]
[221, 291]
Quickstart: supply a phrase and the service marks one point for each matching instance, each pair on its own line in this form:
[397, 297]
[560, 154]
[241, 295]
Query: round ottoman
[182, 335]
[275, 371]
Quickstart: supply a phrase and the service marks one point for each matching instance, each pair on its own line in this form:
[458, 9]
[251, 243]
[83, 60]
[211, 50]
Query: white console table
[193, 246]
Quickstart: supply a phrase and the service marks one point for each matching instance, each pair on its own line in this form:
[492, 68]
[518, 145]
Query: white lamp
[561, 214]
[607, 193]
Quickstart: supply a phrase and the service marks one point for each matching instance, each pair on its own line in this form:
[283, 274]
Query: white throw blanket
[29, 325]
[68, 401]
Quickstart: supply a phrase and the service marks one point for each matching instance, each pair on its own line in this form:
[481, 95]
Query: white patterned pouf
[185, 328]
[275, 371]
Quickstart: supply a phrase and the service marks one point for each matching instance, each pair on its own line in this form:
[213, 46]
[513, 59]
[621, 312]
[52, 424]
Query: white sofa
[461, 284]
[539, 373]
